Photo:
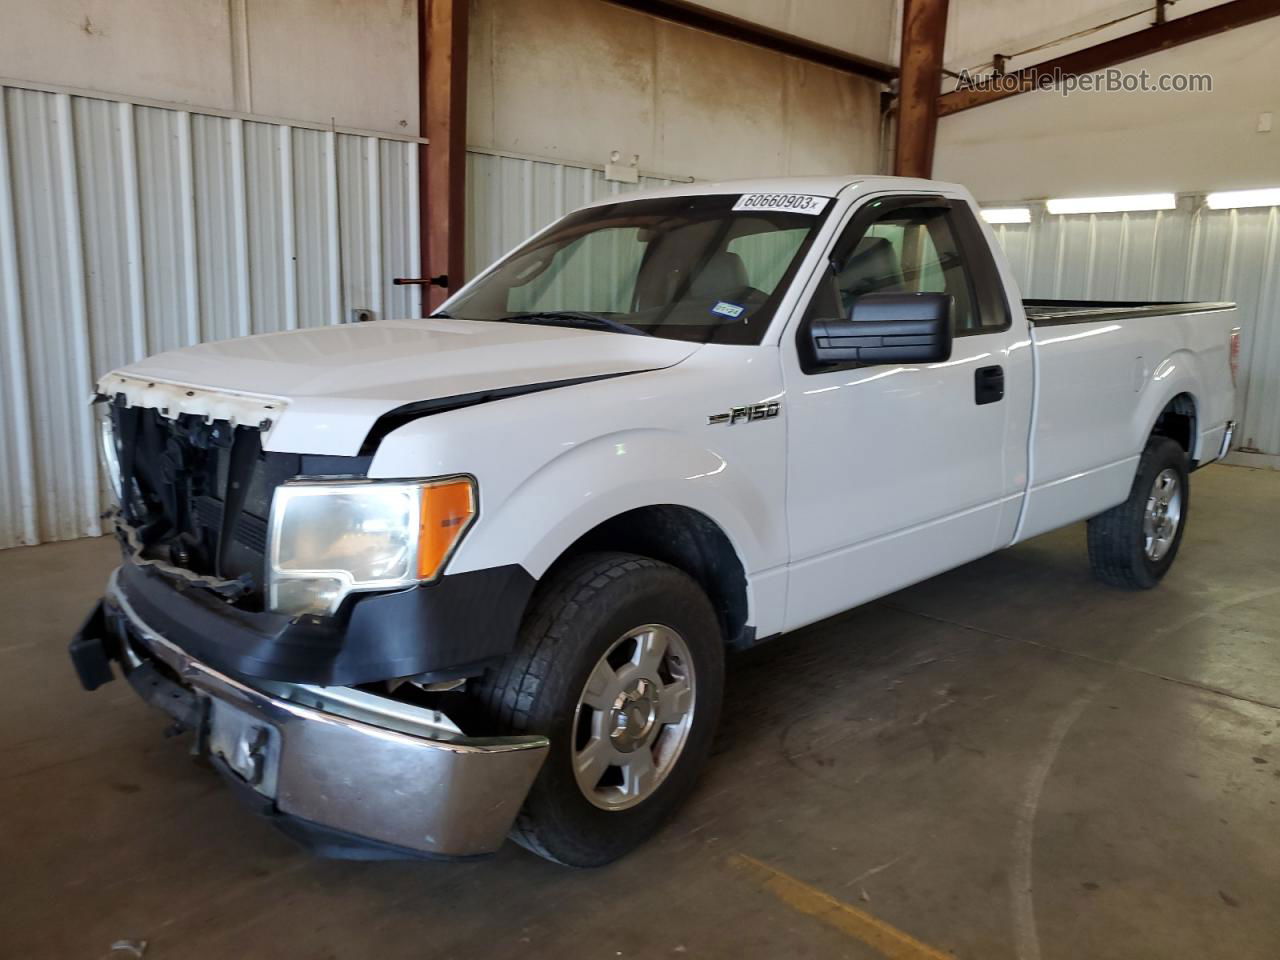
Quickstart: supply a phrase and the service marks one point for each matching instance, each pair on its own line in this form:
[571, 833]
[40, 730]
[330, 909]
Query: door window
[918, 245]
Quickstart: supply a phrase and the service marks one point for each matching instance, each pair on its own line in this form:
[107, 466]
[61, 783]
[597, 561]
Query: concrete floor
[1006, 761]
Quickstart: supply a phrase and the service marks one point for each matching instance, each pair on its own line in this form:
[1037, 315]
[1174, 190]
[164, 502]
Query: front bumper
[348, 772]
[445, 629]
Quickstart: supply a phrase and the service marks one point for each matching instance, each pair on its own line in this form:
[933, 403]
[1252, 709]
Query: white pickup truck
[419, 584]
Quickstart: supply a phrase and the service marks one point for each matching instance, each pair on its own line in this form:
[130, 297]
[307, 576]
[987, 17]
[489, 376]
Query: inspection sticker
[784, 202]
[727, 309]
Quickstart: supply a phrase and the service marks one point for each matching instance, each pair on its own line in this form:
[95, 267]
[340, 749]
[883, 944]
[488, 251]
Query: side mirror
[888, 328]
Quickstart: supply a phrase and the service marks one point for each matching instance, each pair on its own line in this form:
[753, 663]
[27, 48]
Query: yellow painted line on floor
[874, 932]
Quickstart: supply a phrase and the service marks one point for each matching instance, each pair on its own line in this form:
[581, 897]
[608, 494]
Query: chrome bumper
[343, 760]
[1228, 434]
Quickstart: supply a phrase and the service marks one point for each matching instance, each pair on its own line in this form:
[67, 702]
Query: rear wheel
[1133, 545]
[621, 663]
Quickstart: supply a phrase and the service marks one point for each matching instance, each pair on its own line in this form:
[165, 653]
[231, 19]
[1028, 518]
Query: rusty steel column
[924, 30]
[442, 163]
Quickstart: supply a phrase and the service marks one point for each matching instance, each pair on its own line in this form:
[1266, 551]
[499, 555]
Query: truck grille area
[198, 493]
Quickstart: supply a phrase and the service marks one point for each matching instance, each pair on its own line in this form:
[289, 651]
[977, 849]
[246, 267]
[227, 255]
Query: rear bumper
[1214, 444]
[1228, 434]
[347, 772]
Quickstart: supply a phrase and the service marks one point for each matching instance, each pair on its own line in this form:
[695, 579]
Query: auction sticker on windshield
[785, 202]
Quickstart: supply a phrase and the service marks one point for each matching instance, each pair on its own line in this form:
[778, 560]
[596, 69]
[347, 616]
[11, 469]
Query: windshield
[705, 268]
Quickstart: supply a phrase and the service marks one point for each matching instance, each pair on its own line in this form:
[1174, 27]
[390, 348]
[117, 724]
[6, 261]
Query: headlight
[329, 539]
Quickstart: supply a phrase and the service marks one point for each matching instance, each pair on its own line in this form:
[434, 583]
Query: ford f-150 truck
[415, 585]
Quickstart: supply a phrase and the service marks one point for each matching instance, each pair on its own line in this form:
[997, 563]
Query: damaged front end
[195, 494]
[300, 712]
[347, 772]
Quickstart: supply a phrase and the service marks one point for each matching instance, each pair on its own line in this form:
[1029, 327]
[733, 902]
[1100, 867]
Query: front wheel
[1133, 545]
[621, 663]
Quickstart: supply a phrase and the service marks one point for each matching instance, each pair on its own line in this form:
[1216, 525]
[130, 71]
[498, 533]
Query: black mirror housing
[888, 328]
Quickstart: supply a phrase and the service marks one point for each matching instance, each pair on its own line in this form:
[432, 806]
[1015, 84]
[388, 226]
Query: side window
[908, 248]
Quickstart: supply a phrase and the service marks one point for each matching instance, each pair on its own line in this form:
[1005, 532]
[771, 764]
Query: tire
[1128, 547]
[628, 608]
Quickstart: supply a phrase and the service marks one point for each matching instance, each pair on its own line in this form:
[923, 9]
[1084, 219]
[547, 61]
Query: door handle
[988, 385]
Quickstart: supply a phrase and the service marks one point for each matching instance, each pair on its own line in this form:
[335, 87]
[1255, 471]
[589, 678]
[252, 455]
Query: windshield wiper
[575, 318]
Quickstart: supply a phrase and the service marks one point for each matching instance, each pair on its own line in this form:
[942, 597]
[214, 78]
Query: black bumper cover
[446, 628]
[93, 648]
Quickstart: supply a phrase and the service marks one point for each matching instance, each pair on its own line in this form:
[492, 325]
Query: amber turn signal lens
[448, 507]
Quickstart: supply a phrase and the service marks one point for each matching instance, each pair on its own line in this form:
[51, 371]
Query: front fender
[553, 466]
[611, 474]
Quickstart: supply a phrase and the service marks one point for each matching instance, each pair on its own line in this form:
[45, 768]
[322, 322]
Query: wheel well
[1177, 421]
[689, 541]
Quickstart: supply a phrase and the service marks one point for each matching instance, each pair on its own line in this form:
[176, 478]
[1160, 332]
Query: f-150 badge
[748, 414]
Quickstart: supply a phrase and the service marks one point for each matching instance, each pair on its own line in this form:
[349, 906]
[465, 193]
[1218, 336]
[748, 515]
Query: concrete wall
[976, 29]
[350, 62]
[866, 28]
[1042, 144]
[565, 79]
[572, 80]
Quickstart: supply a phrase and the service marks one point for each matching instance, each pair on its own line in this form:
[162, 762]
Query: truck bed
[1104, 371]
[1044, 313]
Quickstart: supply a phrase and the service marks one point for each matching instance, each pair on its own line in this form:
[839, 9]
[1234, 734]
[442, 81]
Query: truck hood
[321, 390]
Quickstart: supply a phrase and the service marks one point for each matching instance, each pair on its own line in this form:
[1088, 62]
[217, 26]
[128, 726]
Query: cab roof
[828, 186]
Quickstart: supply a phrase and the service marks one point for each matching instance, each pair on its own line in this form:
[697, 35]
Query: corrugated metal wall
[1191, 253]
[126, 230]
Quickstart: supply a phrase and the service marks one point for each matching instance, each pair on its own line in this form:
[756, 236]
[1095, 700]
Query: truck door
[898, 472]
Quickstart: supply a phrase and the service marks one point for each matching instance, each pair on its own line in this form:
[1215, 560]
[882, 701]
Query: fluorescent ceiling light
[1137, 201]
[1226, 199]
[1006, 214]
